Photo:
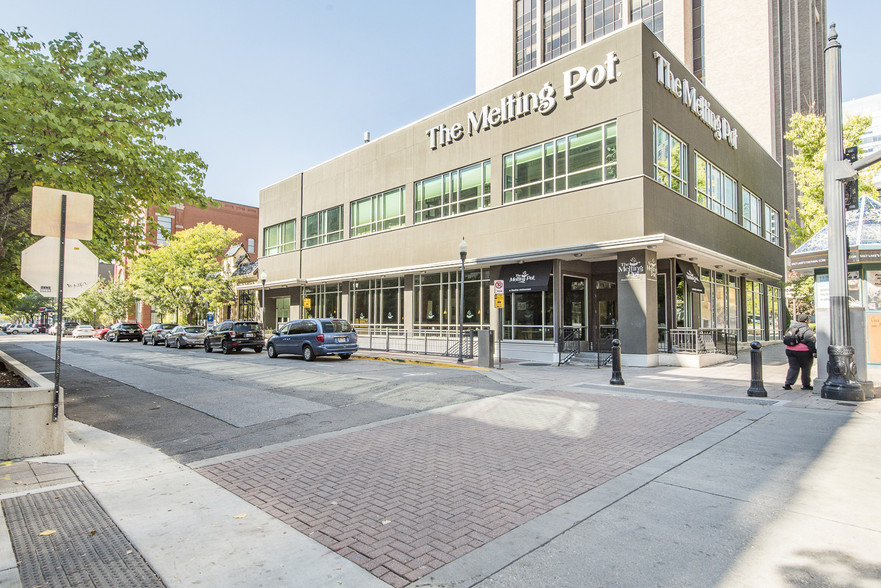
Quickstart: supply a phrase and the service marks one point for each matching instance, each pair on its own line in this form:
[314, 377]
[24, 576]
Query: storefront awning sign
[526, 277]
[692, 276]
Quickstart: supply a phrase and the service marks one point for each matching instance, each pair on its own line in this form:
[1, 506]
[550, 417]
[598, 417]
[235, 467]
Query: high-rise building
[871, 106]
[762, 58]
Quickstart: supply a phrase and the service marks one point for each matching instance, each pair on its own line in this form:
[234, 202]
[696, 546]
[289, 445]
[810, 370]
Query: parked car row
[15, 329]
[309, 338]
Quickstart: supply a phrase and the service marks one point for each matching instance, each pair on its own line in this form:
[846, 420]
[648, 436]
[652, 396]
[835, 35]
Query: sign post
[50, 217]
[499, 298]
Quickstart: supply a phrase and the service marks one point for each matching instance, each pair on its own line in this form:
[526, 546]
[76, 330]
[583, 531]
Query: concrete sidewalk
[676, 478]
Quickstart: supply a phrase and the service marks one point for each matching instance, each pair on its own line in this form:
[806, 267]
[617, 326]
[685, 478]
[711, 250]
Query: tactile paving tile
[86, 549]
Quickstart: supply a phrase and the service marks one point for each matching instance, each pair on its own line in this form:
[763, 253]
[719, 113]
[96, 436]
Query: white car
[82, 331]
[16, 329]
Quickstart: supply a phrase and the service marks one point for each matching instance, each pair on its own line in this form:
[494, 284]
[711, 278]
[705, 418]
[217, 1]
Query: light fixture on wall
[578, 254]
[692, 259]
[718, 266]
[680, 255]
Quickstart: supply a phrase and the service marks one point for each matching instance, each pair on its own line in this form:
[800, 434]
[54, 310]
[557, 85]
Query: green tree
[87, 120]
[807, 132]
[26, 306]
[186, 274]
[104, 303]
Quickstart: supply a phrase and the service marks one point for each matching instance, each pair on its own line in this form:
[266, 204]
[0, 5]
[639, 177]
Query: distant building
[870, 105]
[763, 59]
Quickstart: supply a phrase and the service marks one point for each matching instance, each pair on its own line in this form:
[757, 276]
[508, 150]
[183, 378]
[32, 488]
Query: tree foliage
[807, 132]
[86, 120]
[186, 274]
[25, 307]
[104, 303]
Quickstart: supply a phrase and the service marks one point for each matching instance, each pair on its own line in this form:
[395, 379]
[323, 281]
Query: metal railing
[569, 343]
[395, 340]
[701, 341]
[604, 348]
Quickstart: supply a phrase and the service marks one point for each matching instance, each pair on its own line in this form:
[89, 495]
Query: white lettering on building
[699, 105]
[520, 104]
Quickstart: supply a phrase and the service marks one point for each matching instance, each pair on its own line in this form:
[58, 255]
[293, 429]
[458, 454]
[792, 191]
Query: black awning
[526, 277]
[692, 276]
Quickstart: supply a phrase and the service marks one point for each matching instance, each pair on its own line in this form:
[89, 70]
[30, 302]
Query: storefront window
[715, 189]
[436, 299]
[720, 301]
[378, 212]
[455, 192]
[754, 302]
[581, 159]
[774, 313]
[378, 303]
[670, 161]
[529, 316]
[321, 301]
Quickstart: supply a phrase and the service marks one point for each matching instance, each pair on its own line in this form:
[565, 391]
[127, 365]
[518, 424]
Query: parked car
[69, 326]
[157, 332]
[313, 337]
[22, 328]
[186, 336]
[82, 331]
[123, 331]
[235, 335]
[100, 332]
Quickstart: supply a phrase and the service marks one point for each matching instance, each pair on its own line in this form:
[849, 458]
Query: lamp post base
[841, 383]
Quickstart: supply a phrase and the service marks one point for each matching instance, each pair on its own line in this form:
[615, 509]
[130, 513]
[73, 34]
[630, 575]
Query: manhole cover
[536, 364]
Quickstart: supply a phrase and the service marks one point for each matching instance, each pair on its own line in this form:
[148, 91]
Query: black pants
[799, 360]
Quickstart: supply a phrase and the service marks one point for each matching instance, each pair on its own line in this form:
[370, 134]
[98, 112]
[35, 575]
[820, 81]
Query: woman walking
[801, 349]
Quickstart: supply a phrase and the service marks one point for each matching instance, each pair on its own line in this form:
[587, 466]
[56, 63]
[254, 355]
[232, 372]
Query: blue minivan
[313, 337]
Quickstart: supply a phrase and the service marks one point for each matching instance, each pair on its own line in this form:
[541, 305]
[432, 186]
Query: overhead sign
[40, 262]
[46, 213]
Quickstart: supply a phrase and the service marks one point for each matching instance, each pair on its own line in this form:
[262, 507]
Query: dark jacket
[805, 335]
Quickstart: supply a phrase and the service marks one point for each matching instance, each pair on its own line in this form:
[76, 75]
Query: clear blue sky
[274, 87]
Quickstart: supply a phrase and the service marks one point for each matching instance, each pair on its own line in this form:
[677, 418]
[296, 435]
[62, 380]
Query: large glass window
[525, 35]
[323, 227]
[455, 192]
[436, 300]
[652, 14]
[378, 212]
[560, 27]
[752, 212]
[774, 310]
[601, 17]
[715, 189]
[772, 225]
[529, 316]
[377, 303]
[280, 238]
[321, 301]
[720, 302]
[583, 158]
[670, 158]
[755, 298]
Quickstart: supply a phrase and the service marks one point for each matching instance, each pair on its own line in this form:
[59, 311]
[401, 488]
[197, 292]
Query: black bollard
[756, 386]
[616, 380]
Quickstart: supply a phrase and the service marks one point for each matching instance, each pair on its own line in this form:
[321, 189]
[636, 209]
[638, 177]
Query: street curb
[420, 362]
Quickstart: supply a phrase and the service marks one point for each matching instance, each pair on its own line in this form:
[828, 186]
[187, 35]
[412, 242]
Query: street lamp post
[463, 252]
[841, 381]
[263, 300]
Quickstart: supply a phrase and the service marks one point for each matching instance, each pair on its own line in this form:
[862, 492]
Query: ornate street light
[463, 252]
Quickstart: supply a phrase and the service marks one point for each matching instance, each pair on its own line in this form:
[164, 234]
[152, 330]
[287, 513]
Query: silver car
[186, 336]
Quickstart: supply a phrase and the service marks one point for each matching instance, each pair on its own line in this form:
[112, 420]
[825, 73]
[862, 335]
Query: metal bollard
[756, 386]
[616, 380]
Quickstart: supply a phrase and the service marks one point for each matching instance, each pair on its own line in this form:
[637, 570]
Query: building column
[638, 307]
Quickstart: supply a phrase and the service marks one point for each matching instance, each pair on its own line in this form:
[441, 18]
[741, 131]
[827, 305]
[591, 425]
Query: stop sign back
[40, 261]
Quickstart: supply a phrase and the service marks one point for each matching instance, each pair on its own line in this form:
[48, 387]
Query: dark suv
[123, 331]
[235, 335]
[157, 332]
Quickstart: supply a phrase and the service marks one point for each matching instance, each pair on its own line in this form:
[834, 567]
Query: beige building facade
[608, 190]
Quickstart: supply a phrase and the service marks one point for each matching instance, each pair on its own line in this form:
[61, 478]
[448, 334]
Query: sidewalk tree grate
[405, 498]
[86, 548]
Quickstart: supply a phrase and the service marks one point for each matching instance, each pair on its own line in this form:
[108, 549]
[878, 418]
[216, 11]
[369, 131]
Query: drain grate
[87, 548]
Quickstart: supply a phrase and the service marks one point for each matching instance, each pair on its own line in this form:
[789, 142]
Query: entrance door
[605, 307]
[575, 306]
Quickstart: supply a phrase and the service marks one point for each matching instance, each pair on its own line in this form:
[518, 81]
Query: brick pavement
[405, 498]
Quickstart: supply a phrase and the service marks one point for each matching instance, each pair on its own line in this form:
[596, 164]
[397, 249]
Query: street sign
[499, 286]
[307, 303]
[39, 267]
[500, 300]
[46, 213]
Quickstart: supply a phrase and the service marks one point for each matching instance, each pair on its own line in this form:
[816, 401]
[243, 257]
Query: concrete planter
[26, 426]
